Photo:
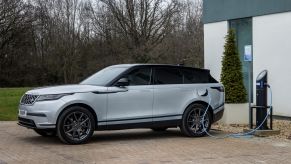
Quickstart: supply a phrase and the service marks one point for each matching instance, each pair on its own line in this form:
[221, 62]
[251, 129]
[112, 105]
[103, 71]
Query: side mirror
[122, 82]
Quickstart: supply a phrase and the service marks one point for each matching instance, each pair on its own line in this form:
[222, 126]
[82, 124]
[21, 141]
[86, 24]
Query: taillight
[220, 88]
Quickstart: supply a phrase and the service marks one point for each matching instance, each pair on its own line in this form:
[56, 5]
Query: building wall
[214, 39]
[272, 51]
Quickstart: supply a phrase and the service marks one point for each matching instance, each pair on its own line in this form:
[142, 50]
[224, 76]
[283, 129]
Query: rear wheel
[75, 125]
[160, 129]
[46, 132]
[192, 121]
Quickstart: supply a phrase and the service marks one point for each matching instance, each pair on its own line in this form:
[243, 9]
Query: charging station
[261, 107]
[262, 99]
[262, 113]
[262, 103]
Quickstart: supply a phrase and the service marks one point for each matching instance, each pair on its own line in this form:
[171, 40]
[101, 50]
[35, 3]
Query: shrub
[231, 74]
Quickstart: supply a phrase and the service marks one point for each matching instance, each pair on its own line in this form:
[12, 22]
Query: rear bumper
[218, 113]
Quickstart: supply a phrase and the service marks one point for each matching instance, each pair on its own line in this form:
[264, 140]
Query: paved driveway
[20, 145]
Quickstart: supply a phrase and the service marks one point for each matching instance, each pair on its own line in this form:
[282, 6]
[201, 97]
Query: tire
[75, 125]
[160, 129]
[46, 132]
[191, 121]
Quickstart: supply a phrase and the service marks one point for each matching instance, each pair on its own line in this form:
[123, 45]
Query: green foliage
[231, 75]
[9, 101]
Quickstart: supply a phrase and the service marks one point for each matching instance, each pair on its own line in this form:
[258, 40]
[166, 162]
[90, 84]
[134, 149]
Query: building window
[244, 36]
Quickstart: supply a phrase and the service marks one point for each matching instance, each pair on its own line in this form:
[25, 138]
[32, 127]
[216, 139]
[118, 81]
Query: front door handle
[107, 92]
[116, 89]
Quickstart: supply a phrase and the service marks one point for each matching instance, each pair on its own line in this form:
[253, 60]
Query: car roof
[162, 65]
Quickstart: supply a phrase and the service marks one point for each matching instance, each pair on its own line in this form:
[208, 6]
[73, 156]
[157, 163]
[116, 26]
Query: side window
[195, 76]
[139, 76]
[188, 77]
[168, 76]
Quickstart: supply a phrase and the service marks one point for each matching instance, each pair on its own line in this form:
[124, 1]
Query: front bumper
[40, 115]
[26, 123]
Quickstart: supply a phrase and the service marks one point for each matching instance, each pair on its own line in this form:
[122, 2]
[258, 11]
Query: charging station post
[262, 103]
[262, 99]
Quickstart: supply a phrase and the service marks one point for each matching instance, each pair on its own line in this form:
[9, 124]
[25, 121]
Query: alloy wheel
[194, 120]
[77, 126]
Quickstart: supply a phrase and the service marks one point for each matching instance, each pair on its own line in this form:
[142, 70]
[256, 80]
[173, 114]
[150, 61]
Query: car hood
[78, 88]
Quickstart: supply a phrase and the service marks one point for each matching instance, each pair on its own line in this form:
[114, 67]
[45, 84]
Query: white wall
[214, 39]
[272, 51]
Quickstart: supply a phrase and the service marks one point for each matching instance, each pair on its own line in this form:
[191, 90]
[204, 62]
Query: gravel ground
[283, 125]
[139, 146]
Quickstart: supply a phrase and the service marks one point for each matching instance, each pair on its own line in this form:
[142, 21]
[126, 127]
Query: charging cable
[235, 134]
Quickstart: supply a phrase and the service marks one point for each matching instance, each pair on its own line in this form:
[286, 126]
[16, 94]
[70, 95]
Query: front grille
[28, 99]
[26, 122]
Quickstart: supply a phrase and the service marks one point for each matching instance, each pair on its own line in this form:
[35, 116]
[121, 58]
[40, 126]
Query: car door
[169, 93]
[132, 103]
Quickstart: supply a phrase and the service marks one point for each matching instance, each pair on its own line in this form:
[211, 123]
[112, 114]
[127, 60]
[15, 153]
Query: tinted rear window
[168, 76]
[191, 76]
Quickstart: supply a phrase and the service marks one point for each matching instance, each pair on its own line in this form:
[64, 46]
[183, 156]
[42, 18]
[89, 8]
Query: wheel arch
[88, 107]
[201, 103]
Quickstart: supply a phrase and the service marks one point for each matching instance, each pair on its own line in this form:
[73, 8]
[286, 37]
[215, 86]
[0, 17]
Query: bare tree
[15, 24]
[58, 35]
[13, 21]
[194, 30]
[143, 24]
[62, 41]
[184, 45]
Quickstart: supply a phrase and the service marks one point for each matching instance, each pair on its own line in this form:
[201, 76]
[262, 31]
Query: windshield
[104, 76]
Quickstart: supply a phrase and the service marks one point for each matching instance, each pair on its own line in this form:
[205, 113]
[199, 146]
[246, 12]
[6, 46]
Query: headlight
[52, 96]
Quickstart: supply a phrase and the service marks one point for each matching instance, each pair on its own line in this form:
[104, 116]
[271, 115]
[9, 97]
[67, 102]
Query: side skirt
[166, 123]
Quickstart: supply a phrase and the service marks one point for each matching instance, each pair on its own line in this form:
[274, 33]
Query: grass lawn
[9, 100]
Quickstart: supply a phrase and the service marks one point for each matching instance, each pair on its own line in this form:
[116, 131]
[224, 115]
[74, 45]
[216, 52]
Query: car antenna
[182, 63]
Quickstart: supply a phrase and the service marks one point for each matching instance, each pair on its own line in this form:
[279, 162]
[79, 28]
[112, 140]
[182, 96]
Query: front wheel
[76, 125]
[192, 121]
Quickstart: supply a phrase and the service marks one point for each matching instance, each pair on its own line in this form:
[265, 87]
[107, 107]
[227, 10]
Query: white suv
[125, 96]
